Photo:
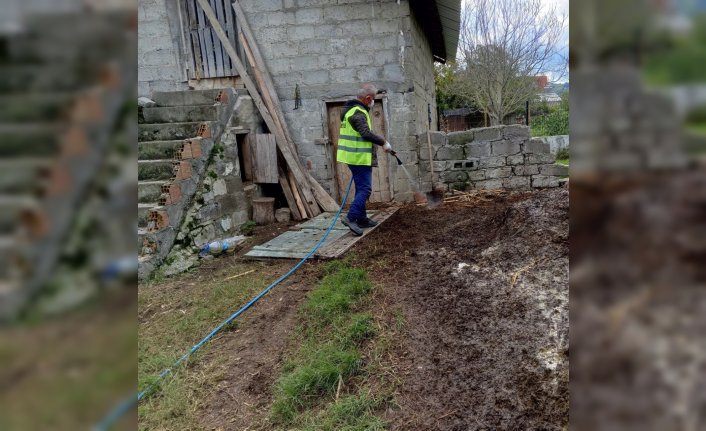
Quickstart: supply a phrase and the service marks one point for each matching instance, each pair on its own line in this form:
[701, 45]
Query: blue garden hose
[121, 409]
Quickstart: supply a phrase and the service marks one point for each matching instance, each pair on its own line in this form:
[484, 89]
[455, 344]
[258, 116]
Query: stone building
[318, 53]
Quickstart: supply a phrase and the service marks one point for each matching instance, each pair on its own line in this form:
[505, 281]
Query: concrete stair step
[155, 170]
[57, 77]
[8, 220]
[13, 202]
[34, 107]
[39, 139]
[185, 98]
[154, 150]
[143, 213]
[173, 131]
[180, 114]
[7, 250]
[149, 191]
[20, 175]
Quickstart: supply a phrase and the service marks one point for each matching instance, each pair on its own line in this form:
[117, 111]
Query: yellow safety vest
[352, 148]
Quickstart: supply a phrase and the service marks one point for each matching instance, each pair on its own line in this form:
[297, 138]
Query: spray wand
[394, 154]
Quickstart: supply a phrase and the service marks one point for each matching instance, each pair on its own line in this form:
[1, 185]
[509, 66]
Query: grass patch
[331, 335]
[174, 315]
[352, 413]
[696, 128]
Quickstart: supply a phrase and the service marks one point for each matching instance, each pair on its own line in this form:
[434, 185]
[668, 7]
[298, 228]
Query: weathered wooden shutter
[207, 56]
[265, 159]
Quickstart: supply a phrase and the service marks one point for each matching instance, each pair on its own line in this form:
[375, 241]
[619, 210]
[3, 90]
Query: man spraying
[355, 148]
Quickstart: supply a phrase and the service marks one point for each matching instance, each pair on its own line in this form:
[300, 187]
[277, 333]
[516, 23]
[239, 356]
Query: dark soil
[638, 302]
[483, 286]
[255, 353]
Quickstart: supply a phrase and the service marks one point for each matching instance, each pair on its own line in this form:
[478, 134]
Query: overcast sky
[562, 8]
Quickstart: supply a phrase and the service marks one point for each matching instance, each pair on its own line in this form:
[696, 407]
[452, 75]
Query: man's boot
[366, 223]
[353, 226]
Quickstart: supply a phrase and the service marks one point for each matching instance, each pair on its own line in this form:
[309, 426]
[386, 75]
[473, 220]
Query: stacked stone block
[501, 157]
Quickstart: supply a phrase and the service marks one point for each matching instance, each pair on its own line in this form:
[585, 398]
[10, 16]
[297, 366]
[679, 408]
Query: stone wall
[220, 206]
[619, 127]
[159, 64]
[556, 143]
[500, 157]
[328, 50]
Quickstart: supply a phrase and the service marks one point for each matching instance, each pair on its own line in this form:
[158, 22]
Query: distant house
[456, 120]
[551, 98]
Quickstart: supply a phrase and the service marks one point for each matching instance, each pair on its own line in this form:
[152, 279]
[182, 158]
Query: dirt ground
[638, 302]
[483, 286]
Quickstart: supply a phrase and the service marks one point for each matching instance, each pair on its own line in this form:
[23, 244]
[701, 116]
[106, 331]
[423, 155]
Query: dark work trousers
[363, 179]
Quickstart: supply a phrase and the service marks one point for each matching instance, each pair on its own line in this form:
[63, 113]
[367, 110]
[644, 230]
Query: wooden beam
[322, 197]
[293, 184]
[250, 45]
[291, 202]
[295, 167]
[266, 96]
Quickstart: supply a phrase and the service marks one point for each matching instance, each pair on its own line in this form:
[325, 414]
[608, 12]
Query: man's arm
[360, 125]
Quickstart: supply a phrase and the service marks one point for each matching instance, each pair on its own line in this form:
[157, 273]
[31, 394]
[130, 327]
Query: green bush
[697, 115]
[554, 123]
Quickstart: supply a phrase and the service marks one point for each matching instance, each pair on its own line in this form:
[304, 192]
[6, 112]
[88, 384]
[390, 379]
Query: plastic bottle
[222, 246]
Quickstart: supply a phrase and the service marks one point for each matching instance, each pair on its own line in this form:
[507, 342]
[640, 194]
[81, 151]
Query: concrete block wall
[620, 127]
[556, 143]
[159, 65]
[220, 206]
[328, 49]
[500, 157]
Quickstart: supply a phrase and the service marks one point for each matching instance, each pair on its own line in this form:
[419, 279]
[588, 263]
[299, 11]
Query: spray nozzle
[394, 154]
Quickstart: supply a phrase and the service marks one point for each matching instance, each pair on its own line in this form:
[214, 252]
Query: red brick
[159, 219]
[182, 170]
[204, 131]
[172, 194]
[74, 141]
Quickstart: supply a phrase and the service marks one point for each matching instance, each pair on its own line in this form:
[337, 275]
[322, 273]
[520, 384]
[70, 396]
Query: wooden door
[382, 191]
[207, 56]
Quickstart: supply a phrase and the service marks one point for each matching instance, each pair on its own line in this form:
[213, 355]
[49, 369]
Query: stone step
[154, 150]
[172, 131]
[8, 220]
[180, 114]
[20, 176]
[149, 191]
[143, 214]
[155, 170]
[31, 140]
[24, 78]
[34, 107]
[185, 98]
[7, 250]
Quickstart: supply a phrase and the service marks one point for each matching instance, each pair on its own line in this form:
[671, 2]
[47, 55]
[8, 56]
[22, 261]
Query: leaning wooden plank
[297, 195]
[322, 197]
[266, 171]
[295, 167]
[260, 62]
[296, 213]
[266, 96]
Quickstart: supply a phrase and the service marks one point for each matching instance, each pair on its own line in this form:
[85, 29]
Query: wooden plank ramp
[301, 239]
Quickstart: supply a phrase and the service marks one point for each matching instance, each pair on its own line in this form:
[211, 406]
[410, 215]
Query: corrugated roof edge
[440, 21]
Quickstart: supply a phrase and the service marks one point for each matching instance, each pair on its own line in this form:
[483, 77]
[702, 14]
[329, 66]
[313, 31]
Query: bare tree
[503, 44]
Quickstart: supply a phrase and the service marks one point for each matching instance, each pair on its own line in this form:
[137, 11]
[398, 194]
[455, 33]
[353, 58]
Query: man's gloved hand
[387, 147]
